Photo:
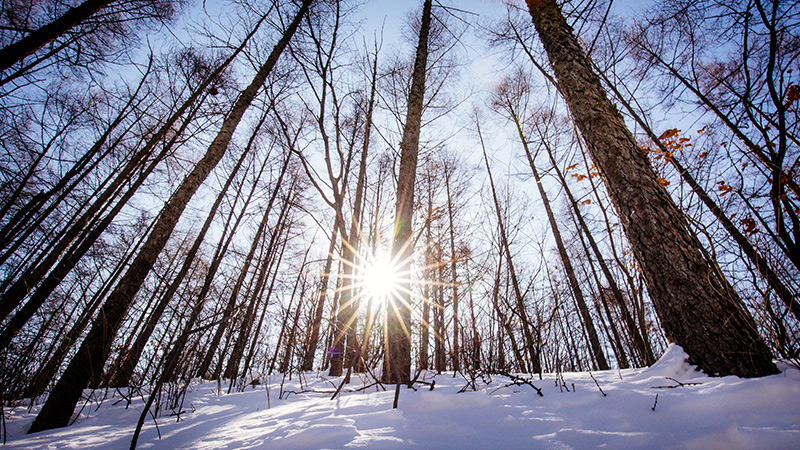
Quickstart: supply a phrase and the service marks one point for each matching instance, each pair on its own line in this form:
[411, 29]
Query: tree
[698, 308]
[397, 362]
[96, 346]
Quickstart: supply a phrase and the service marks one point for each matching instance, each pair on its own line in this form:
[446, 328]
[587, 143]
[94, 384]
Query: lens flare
[380, 278]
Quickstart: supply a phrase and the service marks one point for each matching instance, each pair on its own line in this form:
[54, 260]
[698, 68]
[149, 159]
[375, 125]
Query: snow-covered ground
[702, 412]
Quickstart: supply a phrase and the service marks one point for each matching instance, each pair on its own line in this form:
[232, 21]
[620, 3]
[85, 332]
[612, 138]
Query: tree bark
[698, 308]
[398, 354]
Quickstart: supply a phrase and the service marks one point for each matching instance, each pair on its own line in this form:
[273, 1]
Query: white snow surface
[700, 412]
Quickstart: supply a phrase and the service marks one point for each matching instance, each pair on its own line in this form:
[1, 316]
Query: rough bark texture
[759, 262]
[92, 354]
[698, 308]
[397, 367]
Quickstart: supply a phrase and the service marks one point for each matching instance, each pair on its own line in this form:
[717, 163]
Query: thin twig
[680, 384]
[598, 385]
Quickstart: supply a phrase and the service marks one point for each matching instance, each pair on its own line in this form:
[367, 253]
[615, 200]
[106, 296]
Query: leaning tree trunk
[397, 365]
[96, 346]
[26, 46]
[698, 308]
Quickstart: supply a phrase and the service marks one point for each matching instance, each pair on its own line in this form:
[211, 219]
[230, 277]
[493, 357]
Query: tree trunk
[758, 261]
[398, 354]
[13, 53]
[699, 310]
[308, 360]
[453, 273]
[95, 348]
[124, 372]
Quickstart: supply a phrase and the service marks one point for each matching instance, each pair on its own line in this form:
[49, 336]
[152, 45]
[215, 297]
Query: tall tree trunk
[125, 370]
[453, 273]
[398, 354]
[502, 318]
[95, 348]
[285, 365]
[699, 309]
[308, 360]
[577, 293]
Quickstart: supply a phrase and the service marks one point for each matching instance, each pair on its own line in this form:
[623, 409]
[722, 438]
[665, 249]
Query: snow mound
[674, 363]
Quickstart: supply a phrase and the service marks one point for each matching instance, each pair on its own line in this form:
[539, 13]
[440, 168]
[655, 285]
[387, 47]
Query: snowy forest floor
[692, 411]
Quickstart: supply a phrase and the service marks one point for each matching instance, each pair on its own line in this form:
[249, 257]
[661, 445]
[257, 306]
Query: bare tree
[698, 308]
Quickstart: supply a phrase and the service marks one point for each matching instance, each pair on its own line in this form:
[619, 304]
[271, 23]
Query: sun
[380, 278]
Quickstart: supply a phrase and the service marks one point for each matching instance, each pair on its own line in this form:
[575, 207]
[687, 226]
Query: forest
[239, 189]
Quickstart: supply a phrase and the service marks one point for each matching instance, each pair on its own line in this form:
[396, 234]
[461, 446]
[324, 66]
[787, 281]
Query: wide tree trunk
[698, 308]
[94, 351]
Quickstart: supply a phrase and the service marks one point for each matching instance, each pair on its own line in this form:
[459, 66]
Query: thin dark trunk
[521, 310]
[232, 369]
[308, 361]
[588, 322]
[231, 305]
[453, 274]
[644, 350]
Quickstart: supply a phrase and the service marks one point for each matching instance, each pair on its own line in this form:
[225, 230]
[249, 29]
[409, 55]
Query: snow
[692, 411]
